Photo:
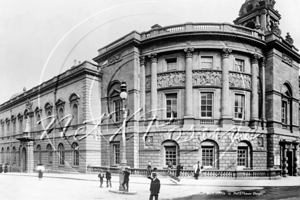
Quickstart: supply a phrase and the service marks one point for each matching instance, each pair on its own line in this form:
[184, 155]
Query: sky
[41, 38]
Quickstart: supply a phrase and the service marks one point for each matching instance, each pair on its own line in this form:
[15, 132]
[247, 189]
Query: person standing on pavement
[197, 170]
[108, 178]
[154, 186]
[178, 169]
[149, 169]
[40, 169]
[101, 176]
[126, 179]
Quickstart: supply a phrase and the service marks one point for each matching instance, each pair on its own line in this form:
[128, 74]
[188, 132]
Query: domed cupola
[259, 14]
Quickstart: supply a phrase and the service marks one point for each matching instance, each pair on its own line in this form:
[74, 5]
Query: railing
[207, 173]
[202, 27]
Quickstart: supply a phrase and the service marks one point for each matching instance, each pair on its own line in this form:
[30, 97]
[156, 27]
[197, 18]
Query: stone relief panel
[172, 79]
[207, 78]
[239, 80]
[148, 82]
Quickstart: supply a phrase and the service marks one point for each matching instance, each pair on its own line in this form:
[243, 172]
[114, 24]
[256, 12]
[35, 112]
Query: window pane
[239, 106]
[171, 155]
[171, 103]
[206, 104]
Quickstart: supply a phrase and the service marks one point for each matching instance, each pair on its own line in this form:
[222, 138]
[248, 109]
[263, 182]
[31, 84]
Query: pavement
[140, 185]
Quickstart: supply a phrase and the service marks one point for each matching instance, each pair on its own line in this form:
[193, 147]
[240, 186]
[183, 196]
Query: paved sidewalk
[169, 190]
[288, 181]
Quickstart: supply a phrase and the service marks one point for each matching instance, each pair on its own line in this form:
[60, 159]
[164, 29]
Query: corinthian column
[143, 85]
[254, 94]
[189, 85]
[226, 105]
[153, 57]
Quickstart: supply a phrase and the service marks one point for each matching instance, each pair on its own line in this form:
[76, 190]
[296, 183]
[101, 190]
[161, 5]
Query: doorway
[290, 163]
[24, 161]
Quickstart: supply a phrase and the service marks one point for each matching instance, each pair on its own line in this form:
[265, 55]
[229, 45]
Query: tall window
[171, 103]
[39, 153]
[207, 62]
[284, 111]
[171, 64]
[38, 118]
[61, 153]
[239, 105]
[14, 156]
[171, 155]
[207, 156]
[242, 156]
[21, 126]
[286, 106]
[206, 104]
[116, 153]
[75, 114]
[75, 154]
[8, 155]
[49, 154]
[14, 127]
[60, 113]
[239, 65]
[2, 155]
[50, 118]
[118, 109]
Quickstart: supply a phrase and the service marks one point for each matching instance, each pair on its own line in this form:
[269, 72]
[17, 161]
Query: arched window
[48, 110]
[48, 115]
[14, 156]
[38, 118]
[75, 154]
[2, 155]
[115, 102]
[209, 154]
[171, 155]
[75, 114]
[7, 155]
[49, 154]
[39, 154]
[244, 155]
[61, 153]
[20, 123]
[286, 106]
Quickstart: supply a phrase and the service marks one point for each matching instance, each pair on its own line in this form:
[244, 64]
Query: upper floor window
[171, 64]
[239, 65]
[75, 114]
[207, 62]
[74, 102]
[206, 104]
[171, 105]
[286, 106]
[118, 109]
[239, 106]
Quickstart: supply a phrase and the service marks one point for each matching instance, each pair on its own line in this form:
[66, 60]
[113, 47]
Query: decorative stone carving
[114, 59]
[239, 80]
[142, 60]
[226, 52]
[148, 82]
[149, 140]
[255, 58]
[275, 28]
[170, 79]
[28, 104]
[207, 78]
[189, 52]
[153, 57]
[289, 39]
[287, 59]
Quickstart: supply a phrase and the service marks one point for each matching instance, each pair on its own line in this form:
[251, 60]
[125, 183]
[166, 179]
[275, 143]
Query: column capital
[153, 57]
[189, 52]
[142, 60]
[262, 61]
[226, 52]
[255, 58]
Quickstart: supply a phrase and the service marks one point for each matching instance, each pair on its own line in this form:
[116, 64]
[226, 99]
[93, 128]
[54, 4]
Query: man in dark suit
[154, 187]
[126, 179]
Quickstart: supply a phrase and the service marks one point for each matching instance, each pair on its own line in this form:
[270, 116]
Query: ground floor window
[171, 156]
[75, 154]
[207, 156]
[244, 157]
[116, 154]
[49, 154]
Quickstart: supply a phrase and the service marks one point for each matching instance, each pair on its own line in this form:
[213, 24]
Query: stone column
[30, 157]
[254, 94]
[153, 57]
[295, 170]
[226, 103]
[263, 20]
[262, 76]
[143, 85]
[188, 118]
[284, 160]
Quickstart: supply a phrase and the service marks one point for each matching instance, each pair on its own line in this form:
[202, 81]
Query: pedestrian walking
[126, 179]
[154, 186]
[5, 168]
[40, 169]
[108, 178]
[178, 169]
[149, 169]
[101, 176]
[197, 170]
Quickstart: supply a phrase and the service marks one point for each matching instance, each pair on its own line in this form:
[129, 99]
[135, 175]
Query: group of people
[155, 182]
[107, 176]
[5, 170]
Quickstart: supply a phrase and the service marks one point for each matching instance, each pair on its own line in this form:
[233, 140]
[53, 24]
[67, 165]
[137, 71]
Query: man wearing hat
[154, 186]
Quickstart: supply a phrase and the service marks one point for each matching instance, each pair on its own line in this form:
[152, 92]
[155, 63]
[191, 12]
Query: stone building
[226, 95]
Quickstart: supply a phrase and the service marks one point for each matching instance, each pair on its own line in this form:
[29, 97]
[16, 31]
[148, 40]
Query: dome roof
[250, 5]
[15, 95]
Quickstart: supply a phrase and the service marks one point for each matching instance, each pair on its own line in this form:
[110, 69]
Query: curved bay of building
[221, 94]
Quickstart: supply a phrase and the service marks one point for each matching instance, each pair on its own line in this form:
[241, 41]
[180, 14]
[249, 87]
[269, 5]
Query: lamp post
[123, 96]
